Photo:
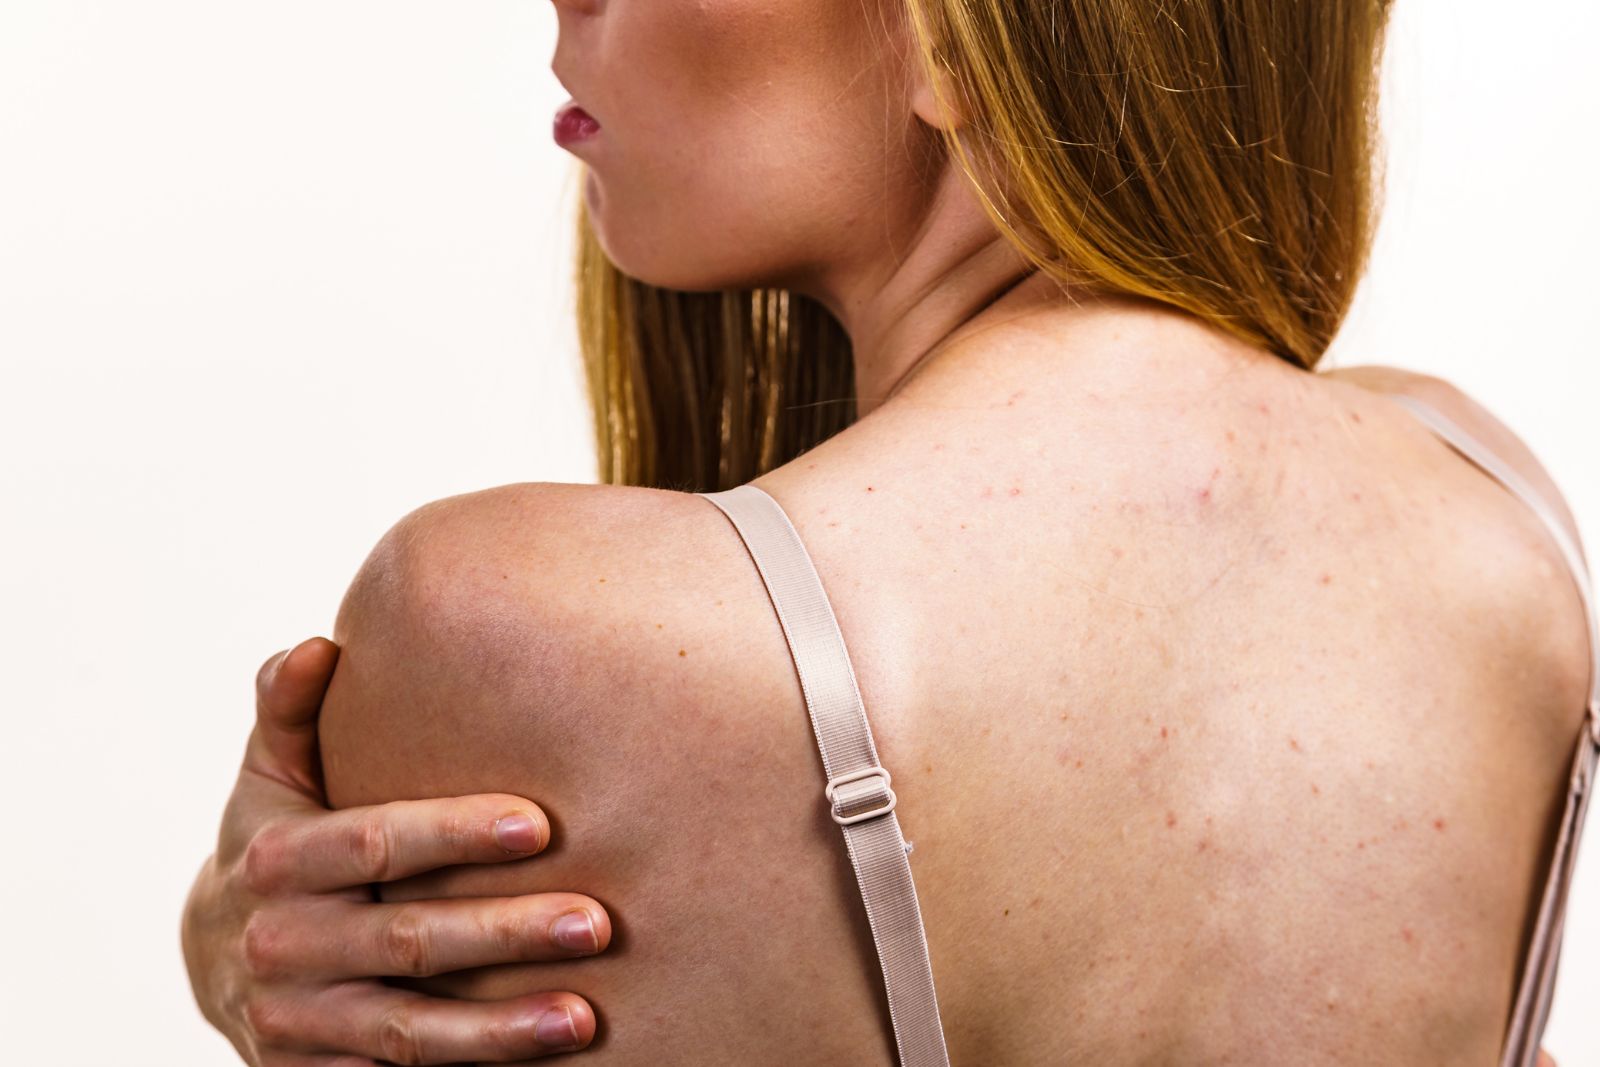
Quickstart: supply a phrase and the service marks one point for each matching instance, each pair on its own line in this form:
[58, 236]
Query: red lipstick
[573, 124]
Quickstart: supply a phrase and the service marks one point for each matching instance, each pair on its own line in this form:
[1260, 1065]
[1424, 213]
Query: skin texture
[1227, 708]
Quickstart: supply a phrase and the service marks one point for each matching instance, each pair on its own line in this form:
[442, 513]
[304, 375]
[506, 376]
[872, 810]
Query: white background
[272, 275]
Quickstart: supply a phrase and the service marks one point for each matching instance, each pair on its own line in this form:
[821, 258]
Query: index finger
[321, 851]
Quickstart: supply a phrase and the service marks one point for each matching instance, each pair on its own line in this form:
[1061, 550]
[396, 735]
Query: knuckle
[398, 1038]
[260, 950]
[261, 866]
[372, 849]
[267, 1019]
[408, 944]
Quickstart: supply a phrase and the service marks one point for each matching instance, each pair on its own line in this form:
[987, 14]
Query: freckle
[1064, 716]
[1035, 902]
[1325, 579]
[1315, 790]
[1370, 765]
[936, 448]
[927, 769]
[1405, 932]
[719, 603]
[658, 626]
[602, 579]
[1163, 733]
[1079, 763]
[1361, 844]
[1172, 819]
[834, 523]
[1202, 845]
[1294, 744]
[681, 652]
[963, 526]
[1006, 912]
[1230, 435]
[1438, 824]
[1208, 820]
[1262, 447]
[811, 466]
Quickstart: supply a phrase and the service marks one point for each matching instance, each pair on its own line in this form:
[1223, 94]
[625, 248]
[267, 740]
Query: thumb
[289, 691]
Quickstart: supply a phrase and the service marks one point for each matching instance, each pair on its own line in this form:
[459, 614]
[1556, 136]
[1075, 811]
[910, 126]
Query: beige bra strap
[1531, 1009]
[857, 790]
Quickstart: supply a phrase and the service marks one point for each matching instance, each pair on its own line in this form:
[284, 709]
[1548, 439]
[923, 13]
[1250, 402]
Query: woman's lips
[573, 124]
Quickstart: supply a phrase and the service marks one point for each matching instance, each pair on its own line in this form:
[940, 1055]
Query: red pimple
[1230, 435]
[1356, 415]
[1438, 824]
[1405, 932]
[1325, 579]
[1294, 744]
[1172, 819]
[1015, 491]
[1163, 732]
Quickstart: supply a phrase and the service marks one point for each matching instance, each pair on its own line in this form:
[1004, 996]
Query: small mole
[811, 466]
[1172, 819]
[1438, 824]
[1294, 744]
[834, 523]
[1006, 912]
[1064, 716]
[681, 652]
[658, 626]
[1325, 579]
[1163, 733]
[869, 488]
[602, 579]
[1079, 763]
[963, 526]
[927, 768]
[719, 603]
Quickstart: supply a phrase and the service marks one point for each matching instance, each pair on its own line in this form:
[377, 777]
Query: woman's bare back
[1228, 711]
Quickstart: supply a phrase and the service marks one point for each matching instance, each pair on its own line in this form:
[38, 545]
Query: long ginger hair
[1219, 156]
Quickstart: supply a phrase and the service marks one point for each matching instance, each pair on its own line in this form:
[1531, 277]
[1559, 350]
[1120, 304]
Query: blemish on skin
[1116, 552]
[1062, 755]
[1163, 733]
[869, 488]
[658, 625]
[1006, 912]
[719, 603]
[938, 445]
[1405, 932]
[1315, 790]
[1015, 491]
[1355, 495]
[1356, 415]
[1438, 824]
[1231, 436]
[1361, 844]
[681, 652]
[1064, 716]
[1326, 579]
[834, 523]
[963, 526]
[988, 491]
[1294, 744]
[1203, 844]
[602, 579]
[1078, 764]
[1035, 902]
[985, 732]
[1172, 819]
[1263, 409]
[1401, 824]
[927, 768]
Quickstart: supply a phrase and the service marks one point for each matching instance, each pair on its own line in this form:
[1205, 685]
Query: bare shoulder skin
[1228, 710]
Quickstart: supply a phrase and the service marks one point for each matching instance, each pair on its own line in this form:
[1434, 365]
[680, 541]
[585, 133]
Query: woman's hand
[285, 941]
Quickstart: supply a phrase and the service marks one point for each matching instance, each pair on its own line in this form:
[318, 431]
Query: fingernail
[575, 930]
[556, 1029]
[517, 833]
